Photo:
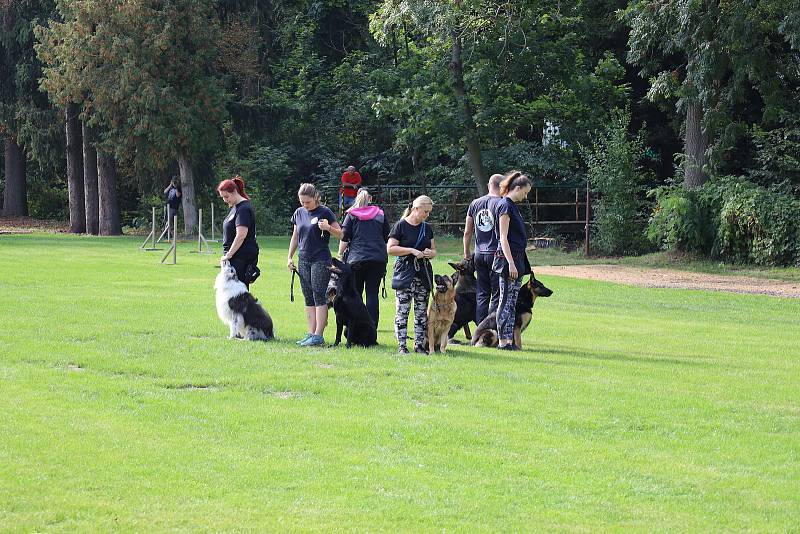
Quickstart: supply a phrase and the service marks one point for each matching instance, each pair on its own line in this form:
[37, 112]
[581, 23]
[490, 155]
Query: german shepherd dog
[486, 333]
[352, 315]
[441, 312]
[466, 299]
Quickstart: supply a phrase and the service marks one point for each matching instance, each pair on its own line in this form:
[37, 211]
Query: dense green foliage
[125, 408]
[730, 218]
[615, 173]
[411, 92]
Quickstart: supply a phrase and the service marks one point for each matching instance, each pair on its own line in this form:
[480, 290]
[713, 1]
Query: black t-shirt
[173, 200]
[240, 215]
[482, 212]
[314, 243]
[407, 234]
[517, 236]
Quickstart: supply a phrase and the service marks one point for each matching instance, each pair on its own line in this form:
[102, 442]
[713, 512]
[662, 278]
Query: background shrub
[617, 177]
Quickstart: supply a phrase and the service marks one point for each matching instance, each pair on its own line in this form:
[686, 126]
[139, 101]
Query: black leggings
[368, 275]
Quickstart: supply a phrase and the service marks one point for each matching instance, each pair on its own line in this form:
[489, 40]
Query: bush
[757, 225]
[615, 173]
[730, 218]
[680, 221]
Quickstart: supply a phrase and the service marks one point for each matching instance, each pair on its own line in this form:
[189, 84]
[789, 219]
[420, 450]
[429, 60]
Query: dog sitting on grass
[238, 309]
[441, 312]
[352, 315]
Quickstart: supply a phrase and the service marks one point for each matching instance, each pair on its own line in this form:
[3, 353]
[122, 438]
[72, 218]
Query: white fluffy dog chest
[227, 288]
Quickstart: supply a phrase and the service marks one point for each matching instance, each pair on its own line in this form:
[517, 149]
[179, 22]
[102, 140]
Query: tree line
[102, 100]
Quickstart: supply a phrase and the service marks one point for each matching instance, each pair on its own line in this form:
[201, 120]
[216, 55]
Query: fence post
[586, 226]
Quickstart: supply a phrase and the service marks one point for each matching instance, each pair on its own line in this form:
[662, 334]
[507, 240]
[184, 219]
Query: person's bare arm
[394, 249]
[505, 222]
[292, 247]
[241, 233]
[469, 231]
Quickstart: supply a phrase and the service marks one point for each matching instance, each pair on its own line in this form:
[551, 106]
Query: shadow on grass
[524, 356]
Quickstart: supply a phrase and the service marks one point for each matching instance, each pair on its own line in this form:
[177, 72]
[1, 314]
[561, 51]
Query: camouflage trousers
[417, 293]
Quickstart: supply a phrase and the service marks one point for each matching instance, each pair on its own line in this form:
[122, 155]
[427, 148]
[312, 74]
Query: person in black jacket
[173, 192]
[365, 232]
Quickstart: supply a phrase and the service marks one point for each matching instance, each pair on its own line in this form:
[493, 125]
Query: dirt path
[678, 279]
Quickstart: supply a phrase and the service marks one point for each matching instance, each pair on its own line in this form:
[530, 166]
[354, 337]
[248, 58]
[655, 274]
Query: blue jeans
[346, 202]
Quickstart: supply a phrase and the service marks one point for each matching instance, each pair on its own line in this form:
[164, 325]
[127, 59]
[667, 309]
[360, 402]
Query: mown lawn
[125, 408]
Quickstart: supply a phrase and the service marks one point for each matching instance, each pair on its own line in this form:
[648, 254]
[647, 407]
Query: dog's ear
[455, 266]
[334, 269]
[454, 279]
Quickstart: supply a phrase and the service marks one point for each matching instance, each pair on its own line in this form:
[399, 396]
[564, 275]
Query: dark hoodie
[366, 230]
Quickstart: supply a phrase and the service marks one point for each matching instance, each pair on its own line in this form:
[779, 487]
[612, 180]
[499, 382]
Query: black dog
[352, 315]
[466, 298]
[486, 333]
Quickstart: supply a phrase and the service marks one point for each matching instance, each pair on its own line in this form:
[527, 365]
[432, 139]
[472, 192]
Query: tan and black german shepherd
[486, 333]
[441, 312]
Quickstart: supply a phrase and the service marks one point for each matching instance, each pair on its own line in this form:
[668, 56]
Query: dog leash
[423, 263]
[291, 289]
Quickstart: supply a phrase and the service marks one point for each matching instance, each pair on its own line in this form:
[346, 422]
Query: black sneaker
[510, 346]
[402, 349]
[420, 349]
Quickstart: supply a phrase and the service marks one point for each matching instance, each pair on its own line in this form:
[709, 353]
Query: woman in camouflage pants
[411, 240]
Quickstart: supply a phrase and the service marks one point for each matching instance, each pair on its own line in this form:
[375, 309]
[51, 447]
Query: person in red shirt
[351, 181]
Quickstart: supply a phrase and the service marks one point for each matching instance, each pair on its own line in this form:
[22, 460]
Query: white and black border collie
[238, 309]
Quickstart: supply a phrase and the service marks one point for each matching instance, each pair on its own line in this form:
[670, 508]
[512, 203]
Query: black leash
[291, 289]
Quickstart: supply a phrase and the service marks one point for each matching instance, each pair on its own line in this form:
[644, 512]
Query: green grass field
[125, 408]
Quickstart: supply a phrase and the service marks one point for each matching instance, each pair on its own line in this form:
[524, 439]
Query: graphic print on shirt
[484, 220]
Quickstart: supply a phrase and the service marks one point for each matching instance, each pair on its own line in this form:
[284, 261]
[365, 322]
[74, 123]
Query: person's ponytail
[234, 184]
[512, 180]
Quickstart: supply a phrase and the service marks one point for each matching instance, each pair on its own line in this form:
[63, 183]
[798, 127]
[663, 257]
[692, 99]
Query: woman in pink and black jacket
[363, 246]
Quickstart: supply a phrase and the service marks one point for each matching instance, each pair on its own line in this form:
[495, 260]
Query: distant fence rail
[548, 205]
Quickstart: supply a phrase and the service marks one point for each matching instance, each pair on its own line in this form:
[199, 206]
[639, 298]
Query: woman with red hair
[238, 228]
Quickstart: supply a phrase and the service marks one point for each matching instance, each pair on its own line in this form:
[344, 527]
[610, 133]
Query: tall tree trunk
[470, 130]
[107, 195]
[90, 181]
[187, 193]
[77, 209]
[15, 195]
[695, 147]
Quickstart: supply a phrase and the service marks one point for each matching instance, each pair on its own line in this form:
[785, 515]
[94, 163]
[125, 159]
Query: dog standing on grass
[486, 333]
[238, 309]
[441, 312]
[466, 297]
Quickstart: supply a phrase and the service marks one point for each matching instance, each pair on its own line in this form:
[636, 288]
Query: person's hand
[224, 258]
[428, 253]
[417, 253]
[290, 265]
[324, 225]
[512, 271]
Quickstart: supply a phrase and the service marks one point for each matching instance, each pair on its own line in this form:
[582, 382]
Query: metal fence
[560, 206]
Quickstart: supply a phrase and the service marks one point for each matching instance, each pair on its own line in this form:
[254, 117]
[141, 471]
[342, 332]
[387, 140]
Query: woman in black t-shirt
[411, 240]
[239, 228]
[511, 261]
[313, 224]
